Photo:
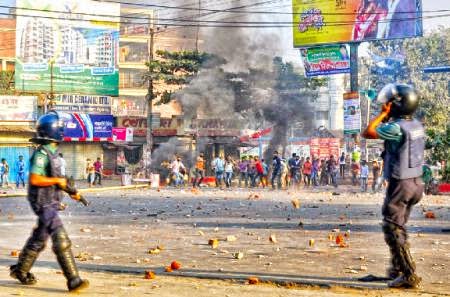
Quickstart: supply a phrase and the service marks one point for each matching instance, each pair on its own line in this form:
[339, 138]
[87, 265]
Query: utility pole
[198, 26]
[149, 96]
[49, 105]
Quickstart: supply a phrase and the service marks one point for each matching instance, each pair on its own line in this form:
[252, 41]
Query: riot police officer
[44, 195]
[404, 149]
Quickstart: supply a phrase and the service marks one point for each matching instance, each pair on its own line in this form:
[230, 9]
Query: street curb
[87, 190]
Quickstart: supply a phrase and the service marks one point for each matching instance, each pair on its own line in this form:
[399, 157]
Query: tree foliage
[434, 110]
[6, 82]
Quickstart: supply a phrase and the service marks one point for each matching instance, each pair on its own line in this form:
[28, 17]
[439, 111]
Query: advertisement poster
[130, 106]
[339, 21]
[324, 147]
[352, 113]
[83, 104]
[326, 60]
[18, 108]
[87, 126]
[122, 134]
[60, 44]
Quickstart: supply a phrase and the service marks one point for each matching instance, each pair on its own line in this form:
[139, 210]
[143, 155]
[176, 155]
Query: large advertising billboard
[325, 60]
[336, 21]
[62, 46]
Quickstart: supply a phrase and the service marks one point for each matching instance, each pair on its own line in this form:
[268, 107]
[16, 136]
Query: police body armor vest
[46, 196]
[407, 161]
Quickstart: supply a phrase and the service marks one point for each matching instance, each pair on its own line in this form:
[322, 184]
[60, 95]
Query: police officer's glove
[70, 187]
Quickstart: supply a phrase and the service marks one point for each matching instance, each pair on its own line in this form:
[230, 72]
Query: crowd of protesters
[278, 173]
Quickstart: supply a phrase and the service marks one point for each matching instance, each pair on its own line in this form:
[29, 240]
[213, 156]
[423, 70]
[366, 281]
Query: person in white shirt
[364, 175]
[177, 166]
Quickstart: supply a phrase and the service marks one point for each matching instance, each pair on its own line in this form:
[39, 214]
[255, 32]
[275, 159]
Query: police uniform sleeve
[389, 131]
[39, 163]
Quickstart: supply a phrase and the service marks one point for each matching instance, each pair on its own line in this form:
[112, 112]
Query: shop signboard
[62, 47]
[340, 21]
[17, 109]
[83, 104]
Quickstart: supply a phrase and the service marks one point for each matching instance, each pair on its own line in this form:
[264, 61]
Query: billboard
[352, 113]
[324, 147]
[325, 60]
[83, 104]
[61, 46]
[87, 126]
[338, 21]
[18, 108]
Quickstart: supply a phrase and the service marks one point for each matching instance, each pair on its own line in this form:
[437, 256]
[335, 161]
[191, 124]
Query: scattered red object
[430, 215]
[149, 274]
[444, 188]
[253, 280]
[175, 265]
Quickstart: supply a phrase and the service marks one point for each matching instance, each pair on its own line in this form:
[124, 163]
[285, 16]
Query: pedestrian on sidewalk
[218, 165]
[332, 170]
[404, 143]
[90, 171]
[199, 170]
[98, 166]
[4, 173]
[20, 169]
[45, 192]
[229, 168]
[307, 169]
[243, 171]
[259, 171]
[376, 176]
[315, 171]
[355, 172]
[364, 175]
[342, 165]
[276, 170]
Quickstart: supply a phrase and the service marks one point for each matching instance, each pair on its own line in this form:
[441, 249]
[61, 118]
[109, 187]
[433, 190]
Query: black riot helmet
[49, 128]
[404, 98]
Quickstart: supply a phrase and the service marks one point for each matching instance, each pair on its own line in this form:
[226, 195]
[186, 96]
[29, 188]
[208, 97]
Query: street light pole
[149, 98]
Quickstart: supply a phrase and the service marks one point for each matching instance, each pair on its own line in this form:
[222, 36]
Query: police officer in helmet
[404, 143]
[46, 185]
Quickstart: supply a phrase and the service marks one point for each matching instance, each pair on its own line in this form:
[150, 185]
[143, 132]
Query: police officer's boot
[408, 278]
[61, 247]
[390, 237]
[394, 270]
[21, 270]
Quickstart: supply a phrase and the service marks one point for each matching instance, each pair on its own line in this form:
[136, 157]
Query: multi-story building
[105, 50]
[37, 42]
[74, 46]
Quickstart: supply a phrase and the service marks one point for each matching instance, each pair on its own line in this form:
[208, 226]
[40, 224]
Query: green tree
[434, 110]
[6, 82]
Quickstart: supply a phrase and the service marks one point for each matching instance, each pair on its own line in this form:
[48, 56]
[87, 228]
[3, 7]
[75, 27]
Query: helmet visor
[387, 93]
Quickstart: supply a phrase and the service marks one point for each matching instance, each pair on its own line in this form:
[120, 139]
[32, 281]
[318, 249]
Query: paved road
[115, 234]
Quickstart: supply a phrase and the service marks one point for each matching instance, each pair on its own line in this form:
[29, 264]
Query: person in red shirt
[355, 173]
[307, 169]
[259, 169]
[98, 171]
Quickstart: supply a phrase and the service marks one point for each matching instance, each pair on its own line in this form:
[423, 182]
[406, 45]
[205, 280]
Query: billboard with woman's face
[334, 21]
